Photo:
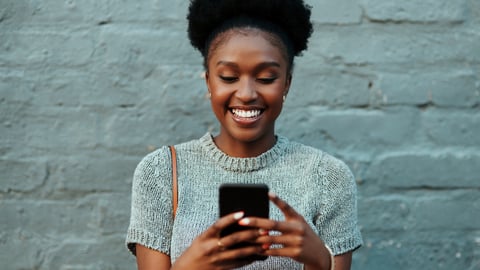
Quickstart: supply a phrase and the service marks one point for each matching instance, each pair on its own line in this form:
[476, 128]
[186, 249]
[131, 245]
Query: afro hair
[290, 16]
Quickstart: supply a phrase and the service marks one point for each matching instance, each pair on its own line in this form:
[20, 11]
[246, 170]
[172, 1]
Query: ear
[288, 82]
[206, 76]
[207, 79]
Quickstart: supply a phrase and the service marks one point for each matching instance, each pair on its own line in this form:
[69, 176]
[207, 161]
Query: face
[247, 77]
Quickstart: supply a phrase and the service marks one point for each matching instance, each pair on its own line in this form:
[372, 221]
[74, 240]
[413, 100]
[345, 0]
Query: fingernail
[266, 246]
[238, 215]
[262, 232]
[272, 195]
[244, 221]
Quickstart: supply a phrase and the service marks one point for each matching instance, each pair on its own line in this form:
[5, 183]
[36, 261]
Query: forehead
[247, 42]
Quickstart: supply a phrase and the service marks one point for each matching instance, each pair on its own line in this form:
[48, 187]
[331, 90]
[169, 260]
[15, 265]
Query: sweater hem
[350, 244]
[146, 239]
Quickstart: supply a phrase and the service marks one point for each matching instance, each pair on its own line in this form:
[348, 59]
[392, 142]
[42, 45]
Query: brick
[445, 88]
[29, 48]
[416, 11]
[338, 12]
[135, 128]
[407, 211]
[456, 128]
[64, 252]
[396, 44]
[171, 86]
[23, 175]
[52, 12]
[47, 131]
[13, 130]
[77, 254]
[156, 11]
[55, 12]
[73, 87]
[113, 213]
[327, 87]
[356, 130]
[90, 174]
[449, 211]
[35, 216]
[153, 128]
[104, 214]
[410, 170]
[25, 250]
[143, 46]
[384, 213]
[13, 88]
[66, 87]
[424, 250]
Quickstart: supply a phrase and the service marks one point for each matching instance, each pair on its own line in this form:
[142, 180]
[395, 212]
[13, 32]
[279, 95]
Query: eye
[266, 80]
[228, 79]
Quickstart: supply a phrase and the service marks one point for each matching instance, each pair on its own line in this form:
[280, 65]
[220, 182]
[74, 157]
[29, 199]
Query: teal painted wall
[89, 87]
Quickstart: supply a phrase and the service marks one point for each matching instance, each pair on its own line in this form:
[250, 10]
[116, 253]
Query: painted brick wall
[89, 87]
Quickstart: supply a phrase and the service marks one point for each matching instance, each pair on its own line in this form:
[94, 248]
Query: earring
[209, 95]
[284, 97]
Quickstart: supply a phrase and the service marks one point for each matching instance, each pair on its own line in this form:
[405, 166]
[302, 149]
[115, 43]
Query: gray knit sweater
[317, 185]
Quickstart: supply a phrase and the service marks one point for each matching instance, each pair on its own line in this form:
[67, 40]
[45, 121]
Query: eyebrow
[260, 66]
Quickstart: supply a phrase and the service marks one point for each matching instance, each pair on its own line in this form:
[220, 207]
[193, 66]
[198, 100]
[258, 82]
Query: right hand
[209, 251]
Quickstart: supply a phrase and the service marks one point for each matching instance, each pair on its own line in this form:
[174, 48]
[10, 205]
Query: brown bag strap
[174, 178]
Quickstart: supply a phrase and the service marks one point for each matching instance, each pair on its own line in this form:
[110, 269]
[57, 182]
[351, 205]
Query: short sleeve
[337, 223]
[151, 209]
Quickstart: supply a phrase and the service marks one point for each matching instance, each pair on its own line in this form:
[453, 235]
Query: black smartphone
[252, 199]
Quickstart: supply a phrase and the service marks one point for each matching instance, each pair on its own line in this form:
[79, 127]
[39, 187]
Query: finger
[291, 252]
[295, 227]
[286, 209]
[222, 223]
[234, 263]
[283, 240]
[244, 236]
[242, 253]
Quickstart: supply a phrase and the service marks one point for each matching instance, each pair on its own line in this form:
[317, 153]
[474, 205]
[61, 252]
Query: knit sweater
[317, 185]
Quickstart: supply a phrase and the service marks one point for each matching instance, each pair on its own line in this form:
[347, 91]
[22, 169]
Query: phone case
[252, 199]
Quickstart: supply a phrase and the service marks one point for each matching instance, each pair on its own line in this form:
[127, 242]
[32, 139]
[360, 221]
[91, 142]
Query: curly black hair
[288, 19]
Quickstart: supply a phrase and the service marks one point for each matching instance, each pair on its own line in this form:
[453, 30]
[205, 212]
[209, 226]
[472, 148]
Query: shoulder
[158, 163]
[152, 172]
[151, 162]
[299, 150]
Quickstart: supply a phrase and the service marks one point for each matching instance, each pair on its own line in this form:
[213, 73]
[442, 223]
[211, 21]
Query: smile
[246, 113]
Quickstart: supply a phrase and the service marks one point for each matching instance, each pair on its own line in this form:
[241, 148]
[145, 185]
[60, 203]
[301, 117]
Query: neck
[244, 149]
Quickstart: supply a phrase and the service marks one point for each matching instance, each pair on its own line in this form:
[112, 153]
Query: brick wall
[89, 87]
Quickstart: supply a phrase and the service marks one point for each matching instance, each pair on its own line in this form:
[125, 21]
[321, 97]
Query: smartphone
[252, 199]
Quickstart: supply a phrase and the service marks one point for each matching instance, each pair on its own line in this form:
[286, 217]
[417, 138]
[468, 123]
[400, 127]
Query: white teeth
[246, 114]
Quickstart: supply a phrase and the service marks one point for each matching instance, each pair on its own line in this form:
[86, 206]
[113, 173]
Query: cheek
[219, 99]
[219, 91]
[275, 94]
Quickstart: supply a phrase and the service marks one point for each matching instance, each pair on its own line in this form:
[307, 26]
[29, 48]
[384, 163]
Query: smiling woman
[248, 80]
[248, 48]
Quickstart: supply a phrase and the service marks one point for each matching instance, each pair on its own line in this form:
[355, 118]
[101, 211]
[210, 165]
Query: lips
[246, 117]
[246, 113]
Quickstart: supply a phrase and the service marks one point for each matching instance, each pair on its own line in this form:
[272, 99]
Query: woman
[248, 48]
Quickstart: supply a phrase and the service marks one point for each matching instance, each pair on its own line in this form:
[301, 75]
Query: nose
[246, 91]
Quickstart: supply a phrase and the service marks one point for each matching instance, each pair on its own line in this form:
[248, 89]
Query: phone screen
[252, 199]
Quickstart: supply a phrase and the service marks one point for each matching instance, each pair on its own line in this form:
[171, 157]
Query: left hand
[297, 240]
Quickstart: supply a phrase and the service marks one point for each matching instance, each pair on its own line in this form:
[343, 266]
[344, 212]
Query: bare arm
[149, 259]
[342, 262]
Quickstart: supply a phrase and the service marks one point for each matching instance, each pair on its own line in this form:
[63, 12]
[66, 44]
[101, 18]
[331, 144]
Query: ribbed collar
[242, 164]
